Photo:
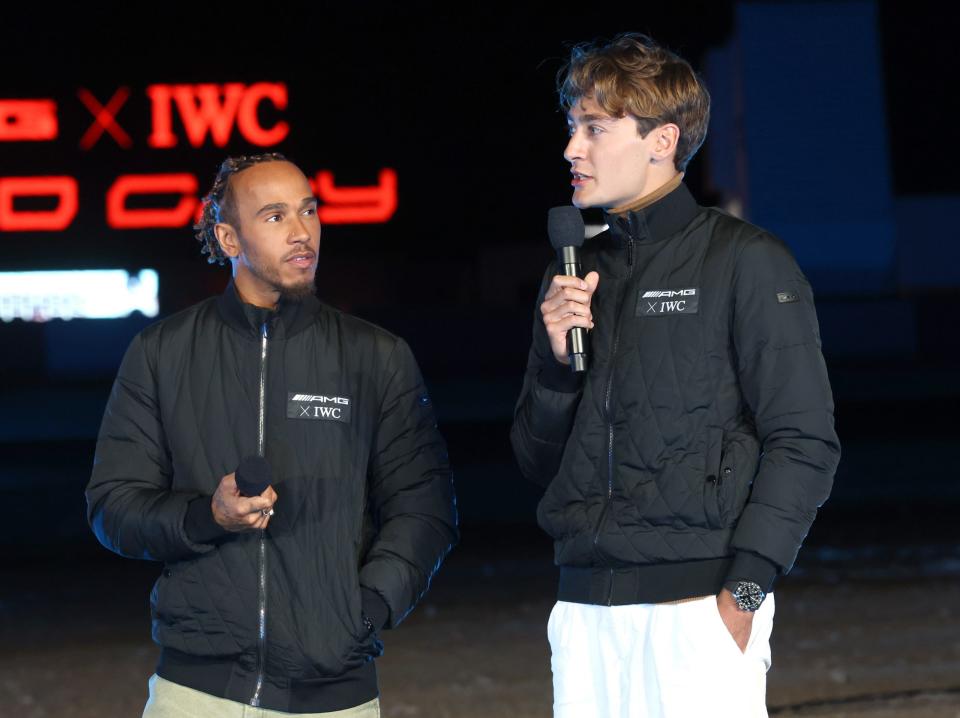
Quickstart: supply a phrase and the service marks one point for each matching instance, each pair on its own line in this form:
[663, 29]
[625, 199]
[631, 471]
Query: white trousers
[657, 661]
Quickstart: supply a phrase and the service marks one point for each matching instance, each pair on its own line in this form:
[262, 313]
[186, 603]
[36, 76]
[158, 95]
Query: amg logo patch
[668, 293]
[321, 398]
[787, 297]
[318, 407]
[655, 302]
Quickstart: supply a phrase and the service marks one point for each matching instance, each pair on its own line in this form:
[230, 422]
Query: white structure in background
[77, 294]
[592, 230]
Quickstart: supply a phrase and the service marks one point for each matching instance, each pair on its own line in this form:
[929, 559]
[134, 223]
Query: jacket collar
[288, 319]
[655, 222]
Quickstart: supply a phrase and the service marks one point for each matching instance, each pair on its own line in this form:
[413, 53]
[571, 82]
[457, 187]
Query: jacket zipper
[606, 407]
[262, 547]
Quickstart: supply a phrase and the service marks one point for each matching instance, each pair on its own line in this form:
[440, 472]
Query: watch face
[749, 596]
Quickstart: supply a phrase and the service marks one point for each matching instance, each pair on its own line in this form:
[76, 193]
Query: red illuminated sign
[215, 110]
[357, 205]
[119, 216]
[60, 217]
[133, 201]
[340, 205]
[28, 120]
[104, 118]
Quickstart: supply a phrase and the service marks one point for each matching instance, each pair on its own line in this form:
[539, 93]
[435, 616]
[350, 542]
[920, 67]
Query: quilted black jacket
[365, 507]
[700, 443]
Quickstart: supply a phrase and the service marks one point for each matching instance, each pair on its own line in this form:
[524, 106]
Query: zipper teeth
[262, 548]
[606, 405]
[613, 359]
[262, 629]
[263, 386]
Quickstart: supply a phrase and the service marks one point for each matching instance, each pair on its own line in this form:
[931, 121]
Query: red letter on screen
[160, 112]
[119, 216]
[104, 118]
[357, 205]
[13, 220]
[247, 121]
[211, 115]
[28, 120]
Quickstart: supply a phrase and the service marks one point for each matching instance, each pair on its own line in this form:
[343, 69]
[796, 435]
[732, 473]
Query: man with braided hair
[684, 468]
[277, 576]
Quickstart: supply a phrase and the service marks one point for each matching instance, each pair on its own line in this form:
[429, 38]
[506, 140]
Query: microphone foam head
[565, 227]
[253, 475]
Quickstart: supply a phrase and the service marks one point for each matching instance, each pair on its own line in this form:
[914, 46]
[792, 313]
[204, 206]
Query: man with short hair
[684, 468]
[271, 595]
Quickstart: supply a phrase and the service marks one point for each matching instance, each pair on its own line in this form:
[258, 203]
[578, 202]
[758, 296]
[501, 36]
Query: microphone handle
[576, 337]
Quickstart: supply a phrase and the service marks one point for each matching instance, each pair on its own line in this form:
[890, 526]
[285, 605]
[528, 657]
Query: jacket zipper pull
[629, 250]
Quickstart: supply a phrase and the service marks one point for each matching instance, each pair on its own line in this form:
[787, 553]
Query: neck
[651, 197]
[249, 295]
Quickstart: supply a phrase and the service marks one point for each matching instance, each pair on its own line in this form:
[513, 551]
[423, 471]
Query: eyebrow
[276, 206]
[592, 118]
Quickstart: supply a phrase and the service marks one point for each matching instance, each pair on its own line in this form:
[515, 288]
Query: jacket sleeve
[543, 416]
[130, 505]
[411, 493]
[784, 382]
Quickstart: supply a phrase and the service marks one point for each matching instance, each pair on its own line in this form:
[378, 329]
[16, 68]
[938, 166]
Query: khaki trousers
[171, 700]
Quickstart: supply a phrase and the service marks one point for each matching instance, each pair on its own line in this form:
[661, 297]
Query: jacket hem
[225, 677]
[654, 583]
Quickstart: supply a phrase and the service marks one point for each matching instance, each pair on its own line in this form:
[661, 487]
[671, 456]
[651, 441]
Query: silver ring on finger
[266, 512]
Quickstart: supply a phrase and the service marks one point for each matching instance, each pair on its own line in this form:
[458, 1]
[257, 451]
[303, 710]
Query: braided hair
[218, 205]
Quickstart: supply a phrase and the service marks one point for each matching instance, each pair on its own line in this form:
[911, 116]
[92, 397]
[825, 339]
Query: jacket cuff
[374, 607]
[753, 567]
[560, 377]
[199, 522]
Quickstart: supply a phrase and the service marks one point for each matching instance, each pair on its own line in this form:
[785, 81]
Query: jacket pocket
[738, 467]
[713, 478]
[167, 601]
[190, 617]
[365, 648]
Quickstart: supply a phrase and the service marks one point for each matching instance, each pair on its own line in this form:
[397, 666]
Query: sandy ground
[854, 643]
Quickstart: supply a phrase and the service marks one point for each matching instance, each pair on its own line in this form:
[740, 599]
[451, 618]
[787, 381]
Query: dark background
[461, 102]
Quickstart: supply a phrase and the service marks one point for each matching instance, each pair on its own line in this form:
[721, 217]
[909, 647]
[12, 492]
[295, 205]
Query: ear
[227, 237]
[666, 138]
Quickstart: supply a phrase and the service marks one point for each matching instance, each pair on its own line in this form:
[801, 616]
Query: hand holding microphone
[244, 499]
[566, 304]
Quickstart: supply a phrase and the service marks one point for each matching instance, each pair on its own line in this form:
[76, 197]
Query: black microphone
[253, 476]
[566, 230]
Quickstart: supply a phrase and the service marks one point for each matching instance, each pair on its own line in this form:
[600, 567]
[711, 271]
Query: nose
[299, 232]
[574, 149]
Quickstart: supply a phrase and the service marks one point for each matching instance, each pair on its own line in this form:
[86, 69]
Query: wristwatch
[747, 594]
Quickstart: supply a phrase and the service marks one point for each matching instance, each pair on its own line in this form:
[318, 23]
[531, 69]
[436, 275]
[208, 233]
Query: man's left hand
[739, 623]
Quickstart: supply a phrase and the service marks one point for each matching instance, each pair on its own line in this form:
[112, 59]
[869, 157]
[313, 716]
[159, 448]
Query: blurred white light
[592, 230]
[77, 294]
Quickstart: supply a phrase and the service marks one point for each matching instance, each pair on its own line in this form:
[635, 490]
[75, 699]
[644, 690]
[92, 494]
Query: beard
[297, 292]
[290, 292]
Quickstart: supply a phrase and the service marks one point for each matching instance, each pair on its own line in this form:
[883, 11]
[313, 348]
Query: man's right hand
[566, 305]
[241, 513]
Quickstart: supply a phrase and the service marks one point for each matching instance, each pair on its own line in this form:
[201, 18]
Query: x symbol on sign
[103, 118]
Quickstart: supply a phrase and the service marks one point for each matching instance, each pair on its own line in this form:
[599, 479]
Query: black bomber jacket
[365, 514]
[700, 444]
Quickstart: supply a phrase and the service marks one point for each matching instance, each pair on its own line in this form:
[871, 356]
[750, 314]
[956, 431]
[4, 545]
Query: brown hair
[634, 75]
[218, 205]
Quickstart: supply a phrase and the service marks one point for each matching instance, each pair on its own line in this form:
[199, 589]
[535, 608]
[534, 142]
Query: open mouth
[302, 259]
[579, 178]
